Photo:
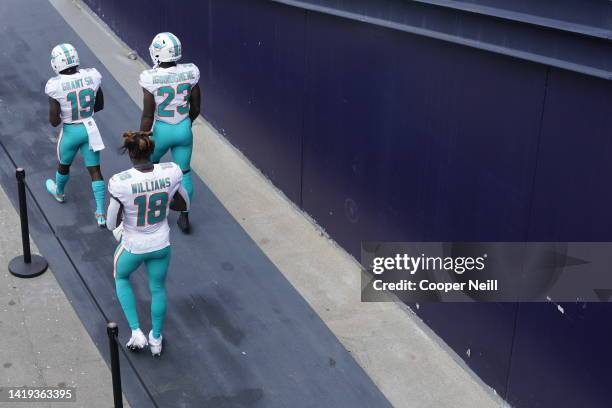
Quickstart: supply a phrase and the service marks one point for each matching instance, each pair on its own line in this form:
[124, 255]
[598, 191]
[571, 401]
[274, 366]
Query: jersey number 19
[86, 99]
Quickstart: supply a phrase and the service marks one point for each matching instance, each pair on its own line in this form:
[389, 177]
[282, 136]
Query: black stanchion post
[113, 332]
[28, 265]
[23, 216]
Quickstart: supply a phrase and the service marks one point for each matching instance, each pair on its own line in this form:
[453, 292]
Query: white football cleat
[155, 344]
[138, 341]
[52, 189]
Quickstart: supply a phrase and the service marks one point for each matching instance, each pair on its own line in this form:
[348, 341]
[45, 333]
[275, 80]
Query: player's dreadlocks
[138, 144]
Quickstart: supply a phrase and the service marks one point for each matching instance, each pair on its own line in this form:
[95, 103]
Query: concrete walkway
[43, 343]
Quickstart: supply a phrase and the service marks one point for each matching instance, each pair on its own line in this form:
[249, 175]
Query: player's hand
[118, 232]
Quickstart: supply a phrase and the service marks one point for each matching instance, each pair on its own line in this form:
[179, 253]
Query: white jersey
[171, 88]
[145, 197]
[75, 93]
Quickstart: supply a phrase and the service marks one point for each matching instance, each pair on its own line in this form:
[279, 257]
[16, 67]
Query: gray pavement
[43, 342]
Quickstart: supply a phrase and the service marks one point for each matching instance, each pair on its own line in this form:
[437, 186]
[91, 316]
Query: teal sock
[60, 182]
[188, 184]
[99, 189]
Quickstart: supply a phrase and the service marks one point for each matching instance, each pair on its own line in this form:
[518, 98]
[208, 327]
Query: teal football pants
[72, 139]
[177, 138]
[156, 264]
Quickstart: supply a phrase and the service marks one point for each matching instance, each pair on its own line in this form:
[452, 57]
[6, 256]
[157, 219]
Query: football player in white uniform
[74, 95]
[171, 103]
[138, 216]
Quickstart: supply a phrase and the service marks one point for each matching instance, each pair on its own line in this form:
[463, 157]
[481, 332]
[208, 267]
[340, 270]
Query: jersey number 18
[153, 210]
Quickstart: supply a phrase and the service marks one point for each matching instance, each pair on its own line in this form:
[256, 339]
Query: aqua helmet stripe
[174, 40]
[67, 53]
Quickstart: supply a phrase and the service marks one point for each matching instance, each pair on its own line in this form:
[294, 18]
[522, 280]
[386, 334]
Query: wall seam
[508, 372]
[537, 155]
[304, 102]
[527, 227]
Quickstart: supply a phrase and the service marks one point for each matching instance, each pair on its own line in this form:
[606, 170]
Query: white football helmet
[165, 47]
[63, 56]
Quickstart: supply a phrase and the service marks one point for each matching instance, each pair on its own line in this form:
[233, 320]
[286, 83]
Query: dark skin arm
[99, 105]
[194, 103]
[148, 110]
[178, 203]
[54, 112]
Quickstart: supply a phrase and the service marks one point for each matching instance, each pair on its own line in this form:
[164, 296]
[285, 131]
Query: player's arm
[194, 103]
[99, 105]
[54, 112]
[114, 214]
[148, 110]
[180, 200]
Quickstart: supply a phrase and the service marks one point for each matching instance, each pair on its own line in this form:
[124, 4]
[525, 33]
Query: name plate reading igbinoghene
[486, 271]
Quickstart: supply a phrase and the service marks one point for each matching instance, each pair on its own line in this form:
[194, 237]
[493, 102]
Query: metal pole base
[24, 270]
